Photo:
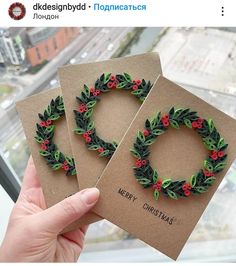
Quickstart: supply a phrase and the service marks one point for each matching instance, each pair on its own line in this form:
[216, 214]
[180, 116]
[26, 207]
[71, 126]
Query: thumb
[59, 216]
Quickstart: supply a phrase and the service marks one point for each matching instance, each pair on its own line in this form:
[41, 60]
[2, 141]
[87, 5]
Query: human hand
[33, 233]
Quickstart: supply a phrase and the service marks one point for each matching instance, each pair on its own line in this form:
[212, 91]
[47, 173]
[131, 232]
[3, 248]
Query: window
[38, 53]
[196, 58]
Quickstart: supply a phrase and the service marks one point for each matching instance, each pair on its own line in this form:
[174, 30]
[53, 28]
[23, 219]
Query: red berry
[98, 92]
[158, 189]
[199, 125]
[146, 133]
[43, 147]
[194, 124]
[110, 85]
[166, 117]
[92, 90]
[214, 156]
[134, 87]
[90, 132]
[43, 124]
[221, 154]
[85, 135]
[159, 182]
[100, 150]
[138, 82]
[144, 162]
[95, 94]
[138, 163]
[166, 123]
[154, 186]
[189, 186]
[49, 122]
[112, 78]
[184, 187]
[208, 174]
[187, 193]
[200, 120]
[88, 140]
[66, 167]
[46, 141]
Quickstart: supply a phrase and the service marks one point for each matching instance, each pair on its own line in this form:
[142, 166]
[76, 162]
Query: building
[45, 43]
[12, 51]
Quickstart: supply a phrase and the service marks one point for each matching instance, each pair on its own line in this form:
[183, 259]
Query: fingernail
[90, 195]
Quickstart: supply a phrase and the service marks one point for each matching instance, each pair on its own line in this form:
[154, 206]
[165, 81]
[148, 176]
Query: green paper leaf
[149, 142]
[122, 84]
[219, 166]
[86, 90]
[106, 77]
[221, 143]
[69, 161]
[91, 104]
[209, 146]
[79, 131]
[57, 155]
[115, 144]
[172, 194]
[94, 147]
[144, 181]
[141, 136]
[158, 117]
[154, 176]
[200, 189]
[166, 182]
[137, 92]
[44, 153]
[193, 180]
[177, 112]
[208, 166]
[187, 123]
[153, 123]
[91, 125]
[211, 125]
[157, 132]
[38, 139]
[209, 181]
[135, 153]
[54, 117]
[174, 123]
[50, 129]
[104, 153]
[127, 77]
[73, 172]
[61, 107]
[156, 194]
[49, 110]
[88, 113]
[56, 166]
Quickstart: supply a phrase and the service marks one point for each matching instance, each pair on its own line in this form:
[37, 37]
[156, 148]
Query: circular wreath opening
[199, 182]
[89, 98]
[45, 134]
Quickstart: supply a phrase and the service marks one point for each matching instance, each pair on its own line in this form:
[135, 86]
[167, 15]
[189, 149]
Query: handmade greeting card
[44, 123]
[101, 99]
[167, 167]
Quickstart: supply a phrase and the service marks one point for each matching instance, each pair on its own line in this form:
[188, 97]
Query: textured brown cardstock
[112, 115]
[176, 154]
[55, 184]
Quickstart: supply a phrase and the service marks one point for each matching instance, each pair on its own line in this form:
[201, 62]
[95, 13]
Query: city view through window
[202, 60]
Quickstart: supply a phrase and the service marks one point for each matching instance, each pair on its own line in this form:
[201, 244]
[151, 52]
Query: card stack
[94, 131]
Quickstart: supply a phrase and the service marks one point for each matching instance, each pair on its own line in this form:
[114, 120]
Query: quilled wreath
[44, 136]
[198, 183]
[90, 96]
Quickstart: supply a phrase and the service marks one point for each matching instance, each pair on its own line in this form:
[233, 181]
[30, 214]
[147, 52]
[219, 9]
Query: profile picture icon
[17, 11]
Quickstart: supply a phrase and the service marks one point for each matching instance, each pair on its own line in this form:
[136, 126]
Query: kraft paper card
[112, 114]
[55, 184]
[165, 222]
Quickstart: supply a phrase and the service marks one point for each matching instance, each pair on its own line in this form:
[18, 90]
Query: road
[93, 43]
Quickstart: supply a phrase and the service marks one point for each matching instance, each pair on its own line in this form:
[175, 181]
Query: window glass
[202, 60]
